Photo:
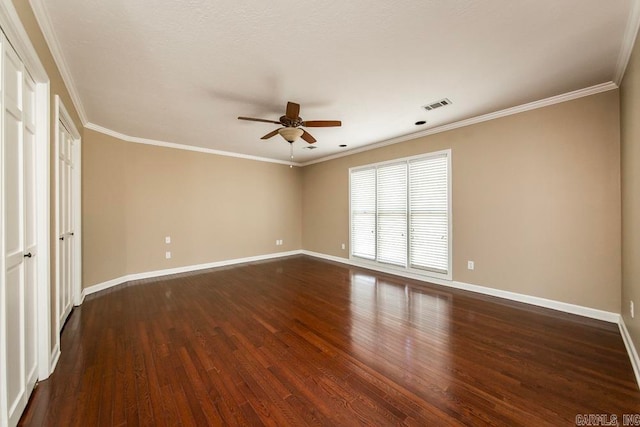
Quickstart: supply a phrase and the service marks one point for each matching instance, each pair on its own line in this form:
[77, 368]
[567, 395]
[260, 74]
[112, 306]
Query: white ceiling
[183, 71]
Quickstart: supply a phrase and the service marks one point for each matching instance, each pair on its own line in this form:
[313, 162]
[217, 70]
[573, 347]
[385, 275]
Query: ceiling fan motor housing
[289, 122]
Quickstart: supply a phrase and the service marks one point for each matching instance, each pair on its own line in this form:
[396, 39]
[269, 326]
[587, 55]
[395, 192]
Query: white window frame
[393, 268]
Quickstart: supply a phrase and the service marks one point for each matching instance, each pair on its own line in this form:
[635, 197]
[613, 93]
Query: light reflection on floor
[381, 311]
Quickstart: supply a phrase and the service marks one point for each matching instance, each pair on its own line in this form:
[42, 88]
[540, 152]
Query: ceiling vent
[433, 105]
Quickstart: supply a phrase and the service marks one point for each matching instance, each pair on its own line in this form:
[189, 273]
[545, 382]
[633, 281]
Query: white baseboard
[186, 269]
[513, 296]
[631, 349]
[55, 356]
[589, 312]
[593, 313]
[566, 307]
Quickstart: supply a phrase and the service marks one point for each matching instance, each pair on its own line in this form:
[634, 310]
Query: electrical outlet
[470, 265]
[167, 255]
[344, 246]
[631, 310]
[167, 239]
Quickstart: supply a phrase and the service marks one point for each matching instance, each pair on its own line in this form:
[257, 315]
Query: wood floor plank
[300, 341]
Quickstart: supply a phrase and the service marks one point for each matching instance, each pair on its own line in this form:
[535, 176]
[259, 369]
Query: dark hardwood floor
[300, 341]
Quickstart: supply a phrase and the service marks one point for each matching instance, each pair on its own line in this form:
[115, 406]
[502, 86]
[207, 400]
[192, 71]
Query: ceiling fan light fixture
[290, 134]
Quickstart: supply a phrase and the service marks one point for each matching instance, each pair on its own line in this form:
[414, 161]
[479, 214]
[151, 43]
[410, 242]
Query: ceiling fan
[291, 123]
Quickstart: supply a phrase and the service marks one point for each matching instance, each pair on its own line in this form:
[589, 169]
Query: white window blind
[392, 214]
[401, 213]
[429, 214]
[363, 213]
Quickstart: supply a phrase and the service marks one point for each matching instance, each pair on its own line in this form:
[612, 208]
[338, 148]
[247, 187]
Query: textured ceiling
[182, 71]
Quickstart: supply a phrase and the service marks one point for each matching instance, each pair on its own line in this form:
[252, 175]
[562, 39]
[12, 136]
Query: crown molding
[165, 144]
[40, 12]
[631, 31]
[569, 96]
[628, 41]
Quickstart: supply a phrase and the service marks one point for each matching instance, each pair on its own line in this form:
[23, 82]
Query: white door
[66, 153]
[20, 249]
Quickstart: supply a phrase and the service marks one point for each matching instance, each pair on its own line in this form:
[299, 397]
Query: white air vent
[433, 105]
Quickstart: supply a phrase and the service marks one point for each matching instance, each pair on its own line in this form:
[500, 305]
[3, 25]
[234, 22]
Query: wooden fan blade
[307, 137]
[293, 110]
[270, 134]
[321, 123]
[258, 120]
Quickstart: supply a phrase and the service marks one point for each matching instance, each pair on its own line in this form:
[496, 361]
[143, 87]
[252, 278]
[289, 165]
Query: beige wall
[56, 87]
[536, 201]
[103, 207]
[630, 142]
[214, 208]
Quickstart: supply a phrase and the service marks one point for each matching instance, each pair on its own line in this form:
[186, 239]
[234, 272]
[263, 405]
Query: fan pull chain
[291, 151]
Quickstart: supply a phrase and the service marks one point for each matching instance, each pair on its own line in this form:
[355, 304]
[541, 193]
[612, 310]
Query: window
[391, 199]
[400, 213]
[363, 213]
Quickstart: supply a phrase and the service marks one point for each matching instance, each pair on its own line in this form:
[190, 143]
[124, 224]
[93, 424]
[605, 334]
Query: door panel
[65, 221]
[13, 184]
[14, 234]
[14, 312]
[19, 196]
[30, 235]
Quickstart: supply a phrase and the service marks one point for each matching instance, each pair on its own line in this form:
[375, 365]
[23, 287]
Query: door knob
[61, 237]
[28, 255]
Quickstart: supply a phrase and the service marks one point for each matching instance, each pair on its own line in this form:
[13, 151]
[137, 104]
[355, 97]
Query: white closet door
[30, 235]
[19, 233]
[66, 151]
